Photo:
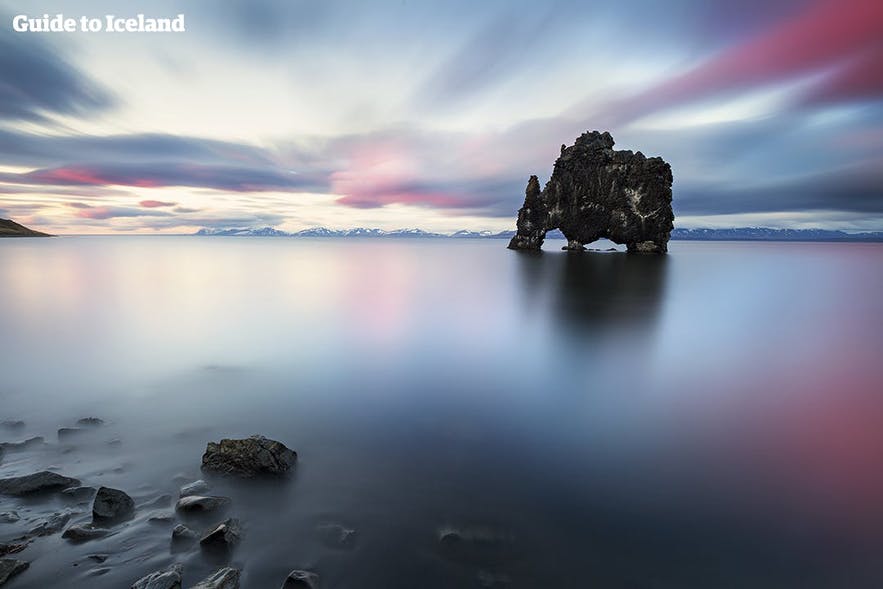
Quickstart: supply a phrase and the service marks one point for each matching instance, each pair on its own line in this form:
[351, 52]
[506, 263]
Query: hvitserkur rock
[596, 192]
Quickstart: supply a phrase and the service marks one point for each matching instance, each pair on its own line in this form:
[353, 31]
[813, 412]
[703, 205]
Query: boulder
[195, 488]
[248, 457]
[225, 578]
[84, 533]
[299, 579]
[112, 504]
[201, 503]
[90, 421]
[595, 192]
[168, 578]
[10, 567]
[224, 535]
[36, 483]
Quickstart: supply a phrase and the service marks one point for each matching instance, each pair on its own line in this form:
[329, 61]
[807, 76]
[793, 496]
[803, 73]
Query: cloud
[85, 211]
[153, 204]
[217, 177]
[35, 81]
[825, 36]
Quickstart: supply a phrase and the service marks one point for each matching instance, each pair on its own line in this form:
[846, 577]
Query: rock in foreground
[36, 483]
[248, 457]
[168, 578]
[224, 535]
[596, 192]
[111, 504]
[10, 567]
[225, 578]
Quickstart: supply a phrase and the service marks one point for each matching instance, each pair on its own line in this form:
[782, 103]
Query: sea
[477, 417]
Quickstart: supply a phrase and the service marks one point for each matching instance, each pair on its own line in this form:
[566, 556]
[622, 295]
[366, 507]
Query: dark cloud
[154, 175]
[857, 189]
[36, 81]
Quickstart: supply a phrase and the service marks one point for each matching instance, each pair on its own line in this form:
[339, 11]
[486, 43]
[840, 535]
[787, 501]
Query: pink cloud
[828, 35]
[152, 204]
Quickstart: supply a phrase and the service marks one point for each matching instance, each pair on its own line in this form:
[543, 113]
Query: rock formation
[596, 192]
[9, 228]
[248, 457]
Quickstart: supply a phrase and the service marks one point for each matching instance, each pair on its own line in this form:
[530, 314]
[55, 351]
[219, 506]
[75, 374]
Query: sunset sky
[407, 113]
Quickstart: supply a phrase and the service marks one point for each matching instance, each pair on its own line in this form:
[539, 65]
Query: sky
[430, 114]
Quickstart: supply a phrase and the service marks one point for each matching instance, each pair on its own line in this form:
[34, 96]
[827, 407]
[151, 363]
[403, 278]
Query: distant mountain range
[735, 234]
[357, 232]
[9, 228]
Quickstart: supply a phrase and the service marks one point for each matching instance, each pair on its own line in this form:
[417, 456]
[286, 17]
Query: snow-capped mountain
[357, 232]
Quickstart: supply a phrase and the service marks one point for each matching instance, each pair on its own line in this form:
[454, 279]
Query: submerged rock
[24, 444]
[80, 493]
[84, 533]
[336, 535]
[224, 535]
[168, 578]
[477, 544]
[14, 424]
[182, 533]
[161, 517]
[195, 488]
[9, 517]
[111, 504]
[300, 579]
[248, 457]
[13, 547]
[596, 192]
[225, 578]
[9, 567]
[200, 503]
[36, 483]
[65, 433]
[52, 524]
[90, 421]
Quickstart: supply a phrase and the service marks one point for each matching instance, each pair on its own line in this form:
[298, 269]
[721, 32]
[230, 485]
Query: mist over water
[710, 418]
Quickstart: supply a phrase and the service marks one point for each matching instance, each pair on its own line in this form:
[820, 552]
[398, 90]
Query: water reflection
[594, 292]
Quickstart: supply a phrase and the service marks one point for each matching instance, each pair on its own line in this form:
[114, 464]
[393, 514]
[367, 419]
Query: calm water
[709, 419]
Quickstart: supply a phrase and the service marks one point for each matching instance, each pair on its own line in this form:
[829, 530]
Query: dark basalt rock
[35, 483]
[298, 579]
[225, 578]
[9, 567]
[596, 192]
[248, 457]
[224, 535]
[112, 504]
[168, 578]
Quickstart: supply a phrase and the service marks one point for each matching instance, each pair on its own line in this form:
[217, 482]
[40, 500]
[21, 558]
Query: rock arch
[596, 192]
